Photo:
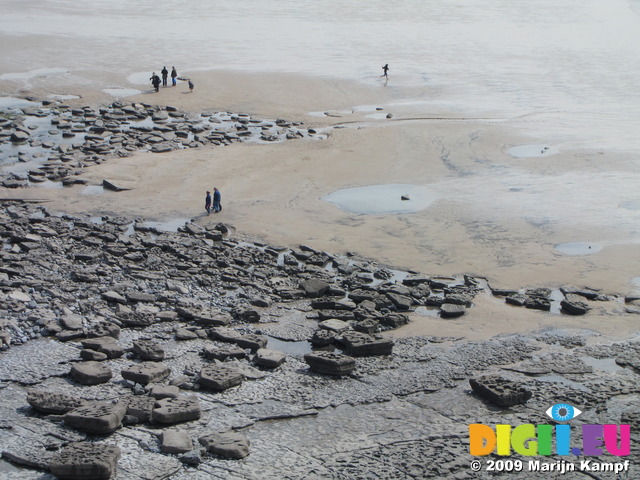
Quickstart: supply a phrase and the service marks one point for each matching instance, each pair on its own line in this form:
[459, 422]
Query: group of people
[155, 79]
[213, 204]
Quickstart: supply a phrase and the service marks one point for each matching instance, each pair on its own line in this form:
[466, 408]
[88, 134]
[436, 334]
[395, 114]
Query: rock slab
[85, 461]
[226, 445]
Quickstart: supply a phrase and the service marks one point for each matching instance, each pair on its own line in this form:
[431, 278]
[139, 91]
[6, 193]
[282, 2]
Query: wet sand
[495, 215]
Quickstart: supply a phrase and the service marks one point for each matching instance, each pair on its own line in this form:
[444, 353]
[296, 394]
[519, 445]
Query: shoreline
[274, 192]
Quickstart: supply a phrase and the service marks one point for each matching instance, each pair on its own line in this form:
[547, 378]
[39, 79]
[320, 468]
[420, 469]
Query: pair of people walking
[213, 204]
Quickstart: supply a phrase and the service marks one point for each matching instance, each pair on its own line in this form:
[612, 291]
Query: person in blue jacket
[217, 197]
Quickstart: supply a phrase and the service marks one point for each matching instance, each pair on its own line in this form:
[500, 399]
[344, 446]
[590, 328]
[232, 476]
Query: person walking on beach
[217, 197]
[165, 74]
[385, 69]
[191, 86]
[174, 74]
[207, 202]
[155, 81]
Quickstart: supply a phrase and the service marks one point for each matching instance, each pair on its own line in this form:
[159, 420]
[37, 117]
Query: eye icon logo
[563, 412]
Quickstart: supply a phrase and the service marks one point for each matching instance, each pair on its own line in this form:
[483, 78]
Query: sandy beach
[474, 220]
[493, 215]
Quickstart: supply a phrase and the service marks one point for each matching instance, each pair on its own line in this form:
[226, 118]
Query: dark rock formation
[500, 391]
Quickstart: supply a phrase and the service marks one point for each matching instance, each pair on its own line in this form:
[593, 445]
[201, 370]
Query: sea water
[568, 67]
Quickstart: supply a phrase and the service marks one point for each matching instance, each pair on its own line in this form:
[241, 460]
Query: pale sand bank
[494, 216]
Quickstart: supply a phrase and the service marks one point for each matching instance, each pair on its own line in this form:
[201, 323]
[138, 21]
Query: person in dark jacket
[174, 75]
[207, 202]
[165, 74]
[155, 81]
[217, 198]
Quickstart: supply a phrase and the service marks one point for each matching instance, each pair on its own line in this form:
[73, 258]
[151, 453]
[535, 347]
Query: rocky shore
[132, 352]
[129, 352]
[55, 141]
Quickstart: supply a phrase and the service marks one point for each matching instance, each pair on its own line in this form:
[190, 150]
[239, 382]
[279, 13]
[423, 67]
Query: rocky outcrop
[118, 130]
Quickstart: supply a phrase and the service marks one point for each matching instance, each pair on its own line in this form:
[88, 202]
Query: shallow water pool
[383, 199]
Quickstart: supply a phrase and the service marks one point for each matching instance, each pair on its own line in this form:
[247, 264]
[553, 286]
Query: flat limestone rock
[176, 410]
[451, 310]
[363, 345]
[51, 402]
[251, 341]
[107, 345]
[176, 442]
[148, 350]
[226, 445]
[330, 363]
[93, 355]
[90, 373]
[213, 318]
[148, 372]
[222, 353]
[164, 391]
[85, 461]
[498, 390]
[101, 418]
[219, 377]
[140, 406]
[269, 358]
[335, 325]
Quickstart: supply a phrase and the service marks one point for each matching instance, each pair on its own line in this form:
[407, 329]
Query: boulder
[147, 372]
[330, 363]
[90, 373]
[500, 391]
[219, 377]
[101, 418]
[176, 410]
[85, 461]
[226, 444]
